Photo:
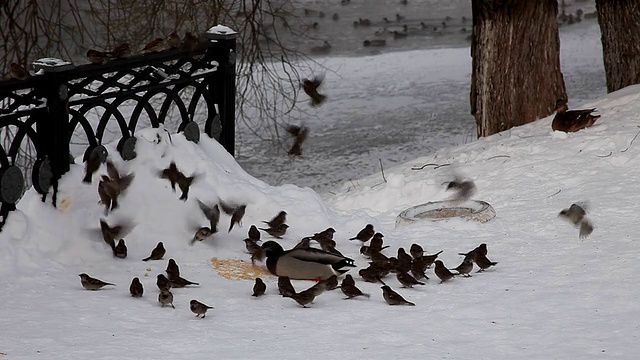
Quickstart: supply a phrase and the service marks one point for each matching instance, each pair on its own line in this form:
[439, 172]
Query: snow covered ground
[552, 295]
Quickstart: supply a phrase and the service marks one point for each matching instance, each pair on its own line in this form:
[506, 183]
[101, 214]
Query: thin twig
[638, 133]
[436, 166]
[499, 156]
[558, 192]
[604, 156]
[382, 170]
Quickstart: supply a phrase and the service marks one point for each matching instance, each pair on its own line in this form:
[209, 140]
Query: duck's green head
[272, 249]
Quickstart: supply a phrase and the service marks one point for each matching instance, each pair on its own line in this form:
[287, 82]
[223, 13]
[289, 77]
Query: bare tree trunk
[620, 28]
[516, 76]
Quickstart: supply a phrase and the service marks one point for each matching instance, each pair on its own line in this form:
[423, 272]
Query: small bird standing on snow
[136, 288]
[277, 220]
[172, 270]
[404, 261]
[199, 308]
[442, 272]
[162, 282]
[577, 215]
[393, 298]
[90, 283]
[254, 233]
[165, 297]
[349, 288]
[278, 232]
[365, 234]
[121, 249]
[157, 253]
[407, 280]
[483, 262]
[259, 288]
[416, 251]
[201, 234]
[465, 267]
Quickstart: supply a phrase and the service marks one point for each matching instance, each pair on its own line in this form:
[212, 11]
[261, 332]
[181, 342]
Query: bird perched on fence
[18, 71]
[572, 120]
[299, 134]
[190, 42]
[90, 283]
[121, 51]
[577, 215]
[173, 40]
[310, 87]
[155, 45]
[98, 57]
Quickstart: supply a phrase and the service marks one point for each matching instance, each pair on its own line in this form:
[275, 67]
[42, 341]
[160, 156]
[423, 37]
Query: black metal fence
[60, 102]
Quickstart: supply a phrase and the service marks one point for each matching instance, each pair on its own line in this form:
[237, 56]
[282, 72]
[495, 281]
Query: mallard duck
[572, 120]
[304, 264]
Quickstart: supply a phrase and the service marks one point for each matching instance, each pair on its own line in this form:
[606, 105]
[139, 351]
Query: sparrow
[285, 288]
[201, 234]
[172, 174]
[418, 268]
[331, 283]
[483, 262]
[464, 189]
[465, 267]
[277, 232]
[376, 244]
[416, 251]
[365, 234]
[172, 270]
[303, 298]
[90, 283]
[111, 234]
[18, 71]
[259, 288]
[184, 183]
[190, 42]
[369, 275]
[577, 216]
[254, 233]
[121, 249]
[300, 136]
[173, 40]
[122, 50]
[105, 199]
[136, 288]
[199, 308]
[98, 57]
[480, 249]
[329, 245]
[407, 280]
[326, 234]
[180, 282]
[310, 87]
[404, 261]
[256, 251]
[113, 185]
[349, 288]
[165, 297]
[91, 166]
[226, 207]
[304, 243]
[236, 217]
[317, 289]
[277, 220]
[393, 298]
[155, 45]
[212, 214]
[442, 272]
[163, 283]
[429, 259]
[157, 253]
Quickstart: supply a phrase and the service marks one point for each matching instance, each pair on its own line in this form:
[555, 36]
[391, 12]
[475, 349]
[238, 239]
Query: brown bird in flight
[310, 87]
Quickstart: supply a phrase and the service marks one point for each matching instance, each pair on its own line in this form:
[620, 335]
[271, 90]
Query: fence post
[53, 131]
[224, 82]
